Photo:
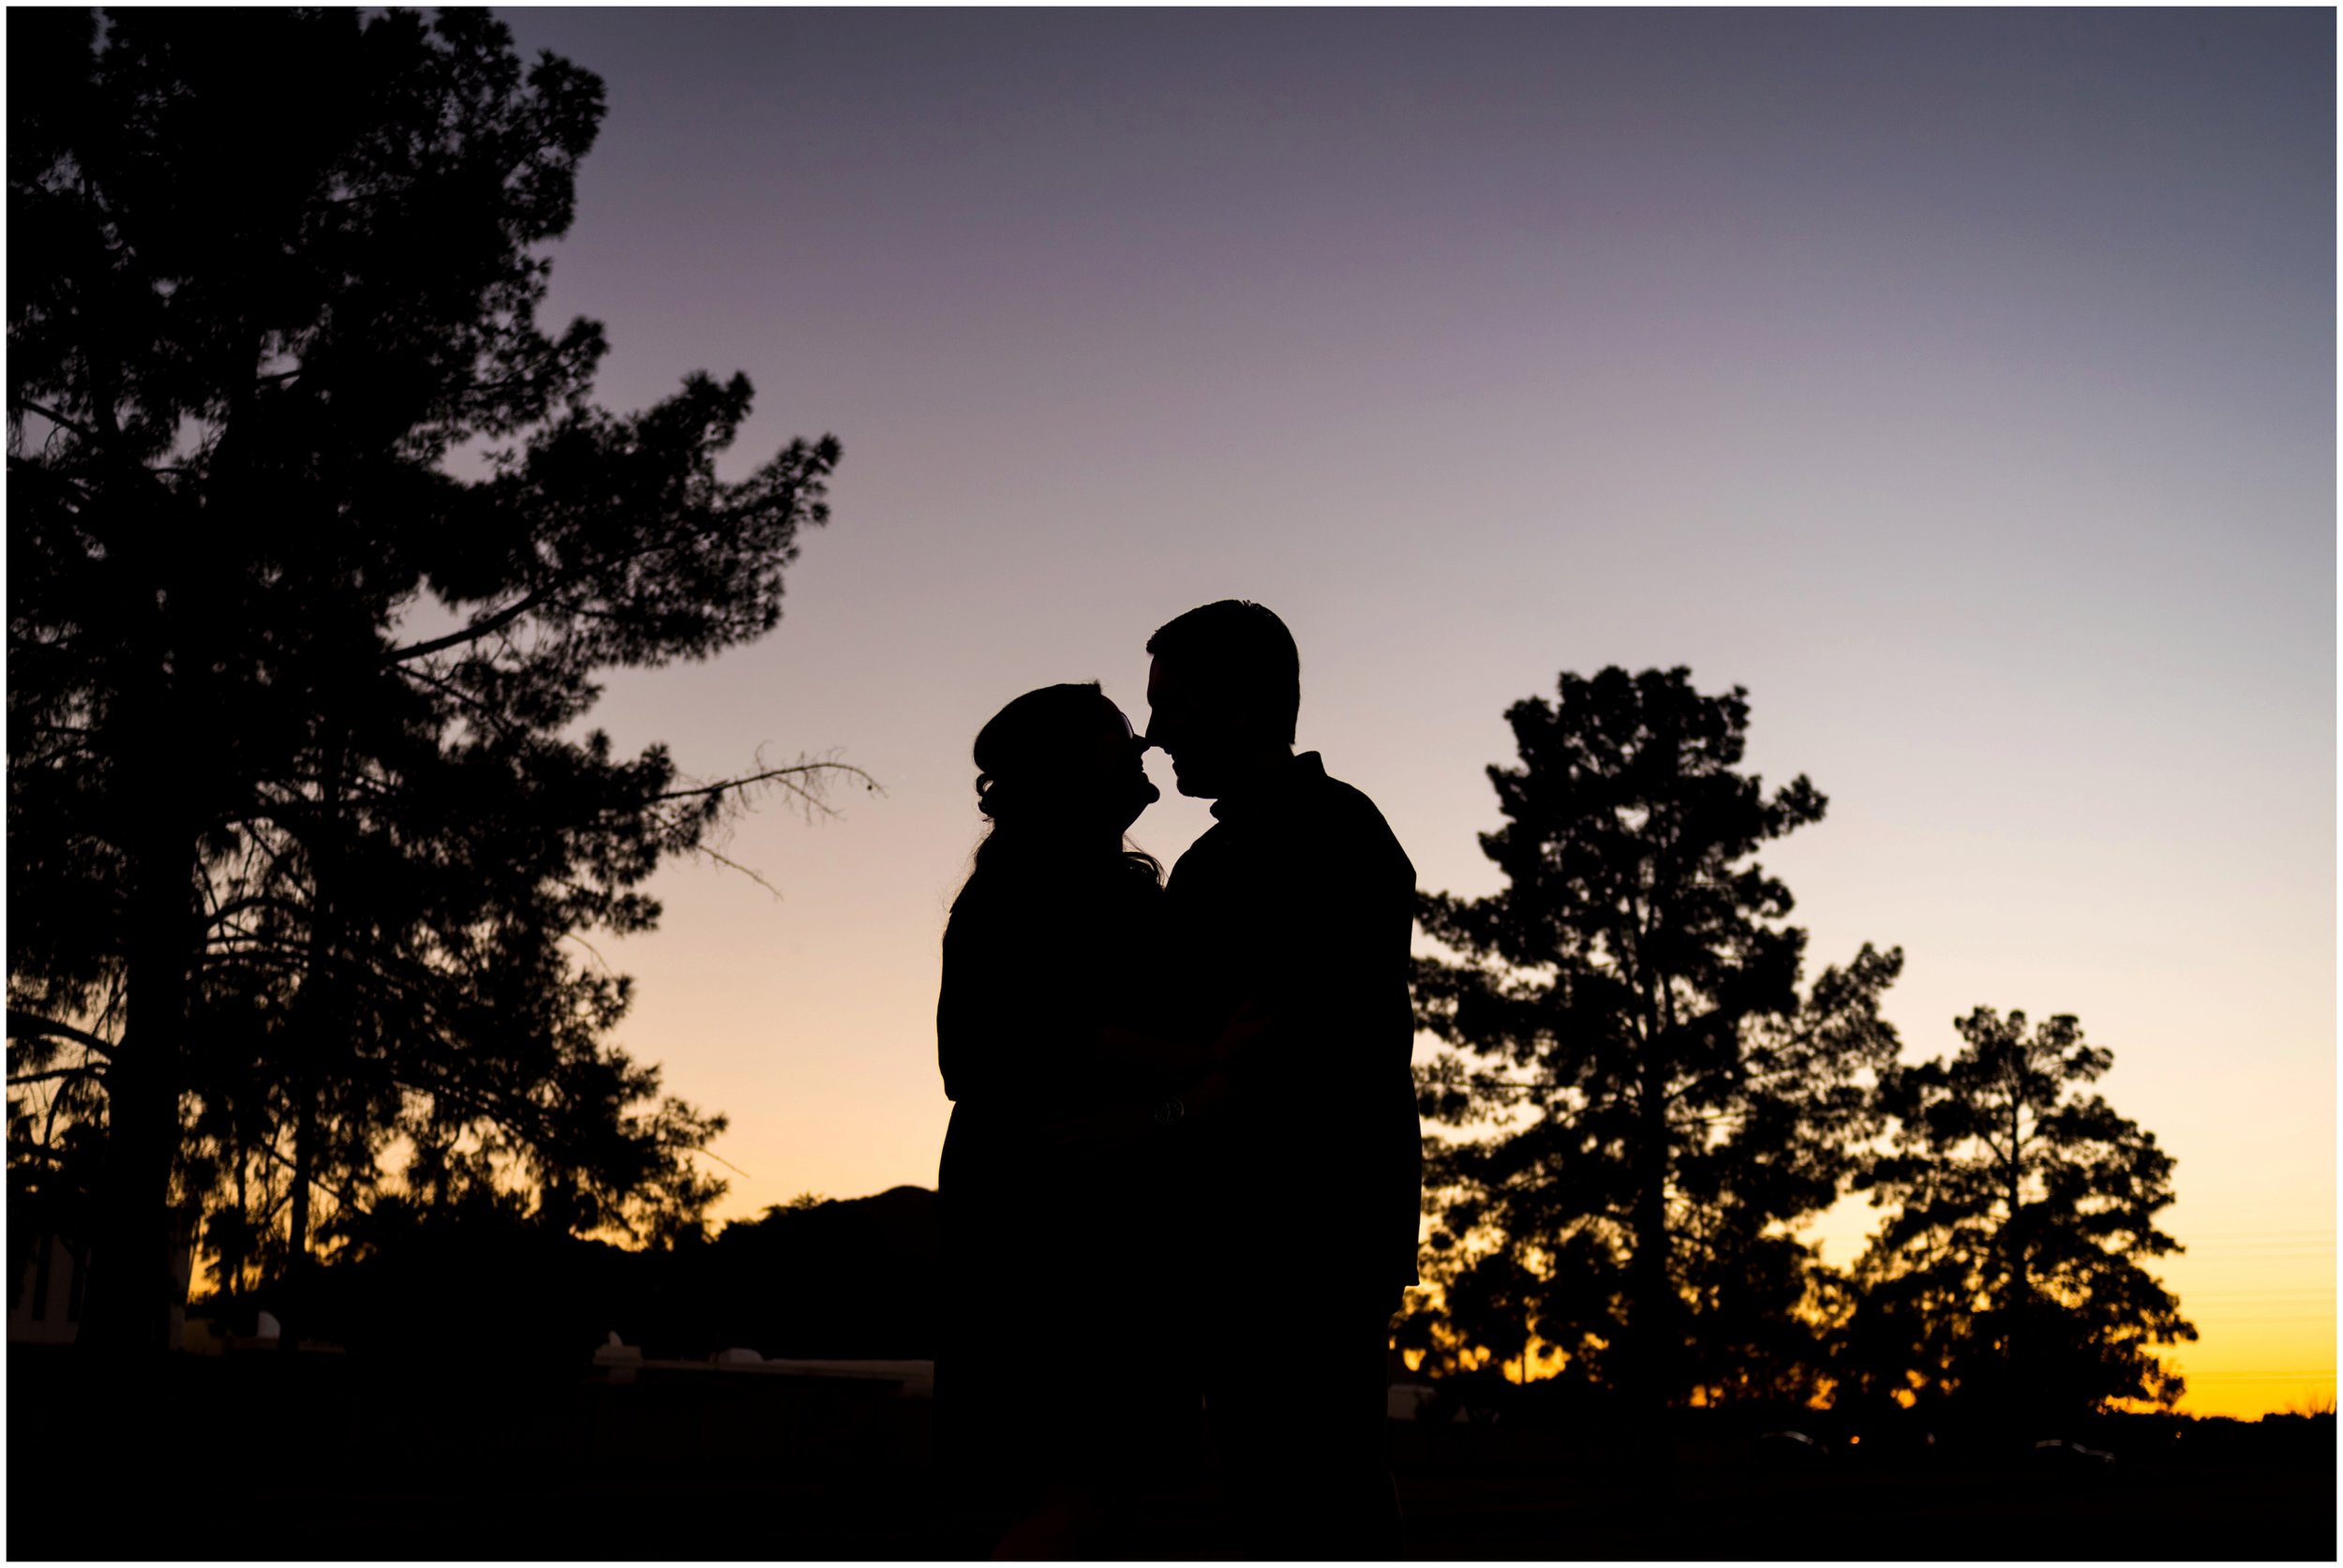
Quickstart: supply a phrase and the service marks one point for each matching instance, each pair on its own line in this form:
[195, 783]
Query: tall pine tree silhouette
[1647, 1100]
[298, 818]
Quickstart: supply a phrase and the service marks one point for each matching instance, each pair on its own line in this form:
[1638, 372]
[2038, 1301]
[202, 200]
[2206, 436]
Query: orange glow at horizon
[2264, 1304]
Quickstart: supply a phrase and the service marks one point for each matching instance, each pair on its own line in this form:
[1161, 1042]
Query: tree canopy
[2020, 1211]
[1647, 1100]
[318, 545]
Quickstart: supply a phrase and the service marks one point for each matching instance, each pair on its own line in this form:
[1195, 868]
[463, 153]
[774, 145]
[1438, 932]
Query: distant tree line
[487, 1281]
[1644, 1097]
[317, 548]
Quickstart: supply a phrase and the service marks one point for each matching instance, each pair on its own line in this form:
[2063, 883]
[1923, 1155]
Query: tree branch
[486, 626]
[22, 1023]
[725, 860]
[771, 774]
[54, 417]
[496, 721]
[337, 1194]
[700, 1149]
[87, 1070]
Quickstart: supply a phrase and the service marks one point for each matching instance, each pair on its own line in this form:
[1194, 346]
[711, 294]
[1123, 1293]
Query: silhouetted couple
[1183, 1166]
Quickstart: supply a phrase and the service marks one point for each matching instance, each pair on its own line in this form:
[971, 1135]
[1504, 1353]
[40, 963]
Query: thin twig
[724, 859]
[695, 1148]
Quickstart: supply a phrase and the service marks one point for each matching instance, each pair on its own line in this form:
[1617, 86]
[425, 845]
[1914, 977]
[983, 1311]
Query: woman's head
[1062, 759]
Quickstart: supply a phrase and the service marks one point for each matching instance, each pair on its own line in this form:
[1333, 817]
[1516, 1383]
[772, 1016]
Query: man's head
[1223, 694]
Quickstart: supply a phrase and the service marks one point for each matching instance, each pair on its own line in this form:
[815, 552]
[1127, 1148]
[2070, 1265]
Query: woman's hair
[1019, 749]
[1032, 738]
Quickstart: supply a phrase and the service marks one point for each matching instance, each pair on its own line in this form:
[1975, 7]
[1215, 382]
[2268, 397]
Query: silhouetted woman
[1055, 1389]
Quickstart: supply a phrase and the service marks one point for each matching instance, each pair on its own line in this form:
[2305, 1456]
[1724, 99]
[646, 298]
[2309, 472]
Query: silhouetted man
[1298, 901]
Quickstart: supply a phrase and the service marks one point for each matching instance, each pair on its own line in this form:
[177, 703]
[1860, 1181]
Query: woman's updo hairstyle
[1029, 741]
[1021, 755]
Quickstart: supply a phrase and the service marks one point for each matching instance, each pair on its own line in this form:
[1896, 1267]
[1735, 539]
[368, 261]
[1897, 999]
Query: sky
[1961, 383]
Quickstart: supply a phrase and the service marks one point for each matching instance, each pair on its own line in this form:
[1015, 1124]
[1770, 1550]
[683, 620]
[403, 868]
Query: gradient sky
[1962, 383]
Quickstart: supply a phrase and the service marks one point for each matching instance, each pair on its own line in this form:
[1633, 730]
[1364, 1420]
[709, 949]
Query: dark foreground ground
[258, 1457]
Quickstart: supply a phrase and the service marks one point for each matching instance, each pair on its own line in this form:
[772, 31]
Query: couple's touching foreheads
[1179, 1191]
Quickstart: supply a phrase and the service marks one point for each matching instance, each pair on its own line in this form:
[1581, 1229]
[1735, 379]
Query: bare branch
[725, 860]
[697, 1149]
[783, 776]
[596, 951]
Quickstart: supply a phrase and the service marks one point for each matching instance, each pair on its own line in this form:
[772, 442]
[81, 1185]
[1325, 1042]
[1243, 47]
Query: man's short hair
[1243, 657]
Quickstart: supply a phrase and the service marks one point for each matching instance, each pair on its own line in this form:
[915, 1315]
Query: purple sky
[1962, 383]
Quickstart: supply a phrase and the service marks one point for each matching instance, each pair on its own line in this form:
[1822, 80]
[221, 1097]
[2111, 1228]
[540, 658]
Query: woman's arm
[1151, 1053]
[1010, 1018]
[1171, 1056]
[1196, 1080]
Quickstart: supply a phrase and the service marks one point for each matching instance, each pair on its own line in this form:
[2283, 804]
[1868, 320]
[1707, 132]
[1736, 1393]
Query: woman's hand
[1101, 1130]
[1252, 1020]
[1121, 1046]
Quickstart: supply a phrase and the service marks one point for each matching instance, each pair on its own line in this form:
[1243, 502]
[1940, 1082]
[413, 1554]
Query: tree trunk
[131, 1283]
[2018, 1290]
[321, 1027]
[293, 1307]
[1649, 1294]
[1652, 1320]
[233, 1266]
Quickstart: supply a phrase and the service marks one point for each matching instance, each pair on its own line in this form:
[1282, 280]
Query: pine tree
[317, 545]
[1648, 1102]
[2019, 1214]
